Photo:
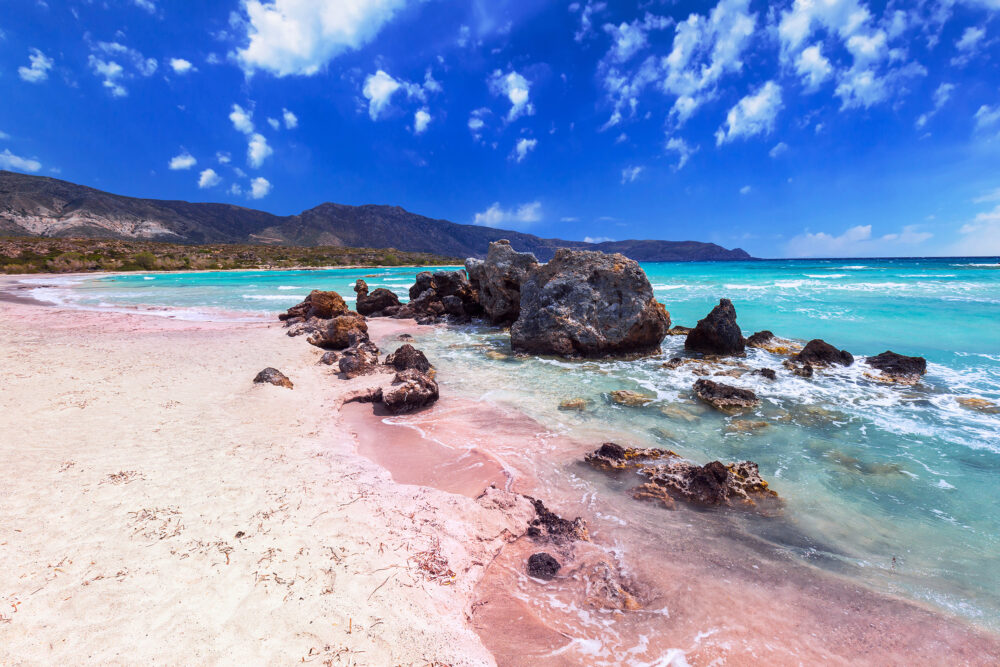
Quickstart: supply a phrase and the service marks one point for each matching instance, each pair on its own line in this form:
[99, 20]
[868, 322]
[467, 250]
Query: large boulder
[818, 352]
[898, 367]
[440, 295]
[343, 331]
[498, 280]
[410, 390]
[723, 396]
[589, 304]
[359, 359]
[324, 305]
[376, 302]
[718, 333]
[407, 357]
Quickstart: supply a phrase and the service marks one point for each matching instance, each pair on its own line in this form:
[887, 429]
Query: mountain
[40, 206]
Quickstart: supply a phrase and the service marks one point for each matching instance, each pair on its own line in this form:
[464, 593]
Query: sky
[831, 128]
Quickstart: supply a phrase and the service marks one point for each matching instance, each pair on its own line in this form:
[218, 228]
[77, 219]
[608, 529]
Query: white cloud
[968, 45]
[223, 158]
[111, 72]
[987, 117]
[516, 88]
[522, 216]
[597, 239]
[779, 149]
[257, 150]
[183, 161]
[813, 66]
[523, 147]
[143, 65]
[476, 122]
[10, 161]
[299, 37]
[683, 149]
[274, 123]
[421, 119]
[629, 174]
[208, 179]
[980, 236]
[627, 39]
[181, 66]
[291, 120]
[235, 190]
[745, 190]
[586, 15]
[260, 187]
[752, 115]
[148, 5]
[992, 195]
[4, 135]
[242, 119]
[941, 97]
[38, 69]
[856, 242]
[379, 89]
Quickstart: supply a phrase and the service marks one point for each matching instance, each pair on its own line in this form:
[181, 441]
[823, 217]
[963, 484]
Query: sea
[892, 488]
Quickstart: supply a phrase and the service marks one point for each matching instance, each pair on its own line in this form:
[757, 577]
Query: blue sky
[795, 128]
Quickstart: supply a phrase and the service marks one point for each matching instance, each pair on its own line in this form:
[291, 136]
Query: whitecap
[271, 297]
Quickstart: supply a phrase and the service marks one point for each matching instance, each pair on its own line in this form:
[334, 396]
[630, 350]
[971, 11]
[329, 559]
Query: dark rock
[422, 284]
[359, 359]
[440, 295]
[718, 333]
[760, 339]
[376, 302]
[589, 304]
[723, 396]
[612, 456]
[324, 305]
[803, 370]
[453, 305]
[542, 566]
[898, 366]
[549, 525]
[367, 395]
[410, 391]
[767, 373]
[818, 352]
[330, 357]
[341, 332]
[298, 326]
[407, 357]
[498, 280]
[273, 376]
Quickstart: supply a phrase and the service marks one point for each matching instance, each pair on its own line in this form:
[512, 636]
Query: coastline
[297, 454]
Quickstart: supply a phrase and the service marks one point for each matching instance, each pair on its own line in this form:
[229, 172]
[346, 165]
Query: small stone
[273, 376]
[542, 566]
[766, 373]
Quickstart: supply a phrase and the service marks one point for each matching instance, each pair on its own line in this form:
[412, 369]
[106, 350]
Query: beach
[160, 507]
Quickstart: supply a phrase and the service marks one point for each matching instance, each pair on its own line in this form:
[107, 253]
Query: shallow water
[887, 485]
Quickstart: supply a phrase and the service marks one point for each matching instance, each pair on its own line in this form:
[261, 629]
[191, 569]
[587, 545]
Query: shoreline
[325, 394]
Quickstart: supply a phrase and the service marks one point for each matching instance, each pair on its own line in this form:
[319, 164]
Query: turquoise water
[894, 486]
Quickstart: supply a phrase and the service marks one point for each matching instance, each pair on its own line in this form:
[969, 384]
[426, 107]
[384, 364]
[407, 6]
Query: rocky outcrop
[897, 367]
[498, 280]
[444, 295]
[760, 339]
[589, 304]
[410, 390]
[273, 376]
[359, 359]
[378, 303]
[547, 525]
[818, 352]
[408, 357]
[341, 332]
[319, 304]
[718, 333]
[724, 397]
[542, 566]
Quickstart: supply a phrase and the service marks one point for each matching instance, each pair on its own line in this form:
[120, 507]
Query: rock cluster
[379, 303]
[441, 296]
[407, 357]
[588, 304]
[498, 280]
[718, 333]
[273, 376]
[723, 396]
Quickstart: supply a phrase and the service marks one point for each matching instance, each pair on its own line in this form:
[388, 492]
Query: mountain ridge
[49, 207]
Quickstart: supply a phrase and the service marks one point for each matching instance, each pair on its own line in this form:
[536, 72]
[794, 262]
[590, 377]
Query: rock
[547, 525]
[607, 588]
[760, 339]
[898, 367]
[612, 456]
[542, 566]
[342, 332]
[588, 304]
[407, 357]
[375, 303]
[273, 376]
[630, 398]
[654, 493]
[979, 405]
[573, 404]
[745, 426]
[677, 412]
[330, 357]
[437, 295]
[498, 280]
[674, 363]
[298, 326]
[410, 390]
[718, 333]
[805, 370]
[679, 331]
[724, 397]
[324, 305]
[359, 359]
[818, 352]
[767, 373]
[422, 284]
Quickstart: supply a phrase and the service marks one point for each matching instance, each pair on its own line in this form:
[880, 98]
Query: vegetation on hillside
[34, 255]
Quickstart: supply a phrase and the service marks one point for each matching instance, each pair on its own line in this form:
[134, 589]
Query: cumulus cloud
[274, 123]
[421, 119]
[628, 39]
[476, 122]
[299, 37]
[941, 97]
[241, 119]
[587, 11]
[968, 45]
[291, 120]
[629, 174]
[38, 67]
[260, 187]
[516, 88]
[779, 149]
[524, 215]
[111, 73]
[17, 163]
[183, 161]
[856, 242]
[523, 147]
[181, 66]
[752, 115]
[683, 149]
[813, 67]
[379, 89]
[980, 236]
[257, 150]
[208, 179]
[104, 62]
[223, 158]
[148, 5]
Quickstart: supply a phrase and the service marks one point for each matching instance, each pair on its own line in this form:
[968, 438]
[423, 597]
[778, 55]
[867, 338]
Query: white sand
[134, 449]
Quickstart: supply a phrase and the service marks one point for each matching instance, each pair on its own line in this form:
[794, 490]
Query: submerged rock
[607, 588]
[631, 398]
[766, 373]
[341, 332]
[760, 339]
[410, 390]
[725, 397]
[589, 304]
[375, 303]
[818, 352]
[897, 367]
[542, 566]
[573, 404]
[979, 405]
[321, 304]
[745, 426]
[549, 525]
[498, 280]
[717, 333]
[803, 370]
[273, 376]
[407, 357]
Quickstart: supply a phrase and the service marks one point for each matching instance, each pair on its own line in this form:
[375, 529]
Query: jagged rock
[549, 525]
[542, 566]
[654, 493]
[674, 363]
[410, 390]
[422, 284]
[612, 456]
[717, 333]
[767, 373]
[324, 305]
[724, 397]
[498, 280]
[679, 331]
[330, 357]
[342, 332]
[805, 370]
[630, 398]
[407, 357]
[440, 294]
[273, 376]
[714, 483]
[298, 326]
[375, 303]
[818, 352]
[573, 404]
[898, 367]
[760, 339]
[606, 588]
[359, 359]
